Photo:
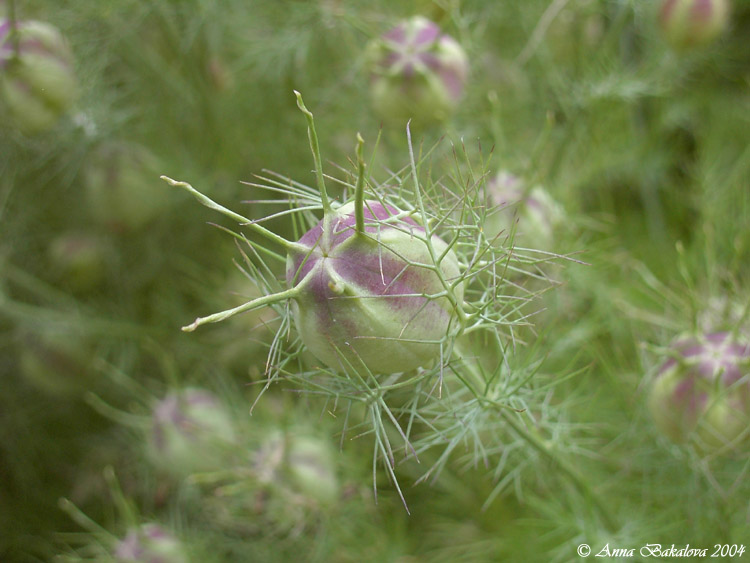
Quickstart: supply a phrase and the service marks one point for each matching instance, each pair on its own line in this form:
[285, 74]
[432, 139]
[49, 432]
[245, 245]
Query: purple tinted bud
[375, 299]
[692, 23]
[39, 84]
[192, 432]
[703, 391]
[536, 214]
[150, 544]
[416, 73]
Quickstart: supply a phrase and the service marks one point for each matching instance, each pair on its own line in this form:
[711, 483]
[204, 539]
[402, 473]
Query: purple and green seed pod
[702, 392]
[192, 432]
[38, 84]
[416, 72]
[693, 23]
[150, 543]
[373, 299]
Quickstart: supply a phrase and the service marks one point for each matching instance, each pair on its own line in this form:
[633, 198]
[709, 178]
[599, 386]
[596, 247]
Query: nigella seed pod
[416, 72]
[373, 299]
[534, 211]
[37, 79]
[702, 392]
[693, 23]
[192, 432]
[150, 543]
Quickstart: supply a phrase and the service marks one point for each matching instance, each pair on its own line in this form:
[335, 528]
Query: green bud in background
[38, 84]
[79, 260]
[416, 72]
[150, 543]
[192, 432]
[311, 468]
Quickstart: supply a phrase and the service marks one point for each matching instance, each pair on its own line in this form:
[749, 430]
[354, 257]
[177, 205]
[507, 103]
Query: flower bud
[370, 299]
[693, 23]
[192, 432]
[702, 391]
[79, 259]
[150, 543]
[536, 213]
[39, 85]
[416, 72]
[311, 468]
[122, 186]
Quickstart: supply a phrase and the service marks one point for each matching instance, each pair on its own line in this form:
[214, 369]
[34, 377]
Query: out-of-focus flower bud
[536, 213]
[417, 72]
[693, 23]
[311, 468]
[37, 79]
[702, 391]
[79, 260]
[150, 543]
[192, 432]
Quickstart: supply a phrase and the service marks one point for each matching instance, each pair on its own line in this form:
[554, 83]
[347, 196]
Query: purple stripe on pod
[702, 10]
[427, 33]
[396, 34]
[4, 29]
[430, 60]
[454, 83]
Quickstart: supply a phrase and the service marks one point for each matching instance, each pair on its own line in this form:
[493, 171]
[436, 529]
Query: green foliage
[530, 435]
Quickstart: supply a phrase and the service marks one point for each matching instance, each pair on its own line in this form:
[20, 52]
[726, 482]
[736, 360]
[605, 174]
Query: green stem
[211, 204]
[315, 146]
[250, 305]
[359, 190]
[542, 447]
[458, 307]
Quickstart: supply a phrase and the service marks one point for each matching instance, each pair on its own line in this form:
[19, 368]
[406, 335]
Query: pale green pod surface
[702, 392]
[150, 543]
[39, 85]
[373, 300]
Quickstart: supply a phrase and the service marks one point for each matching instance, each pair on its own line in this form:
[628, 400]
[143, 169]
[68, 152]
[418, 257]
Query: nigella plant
[401, 299]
